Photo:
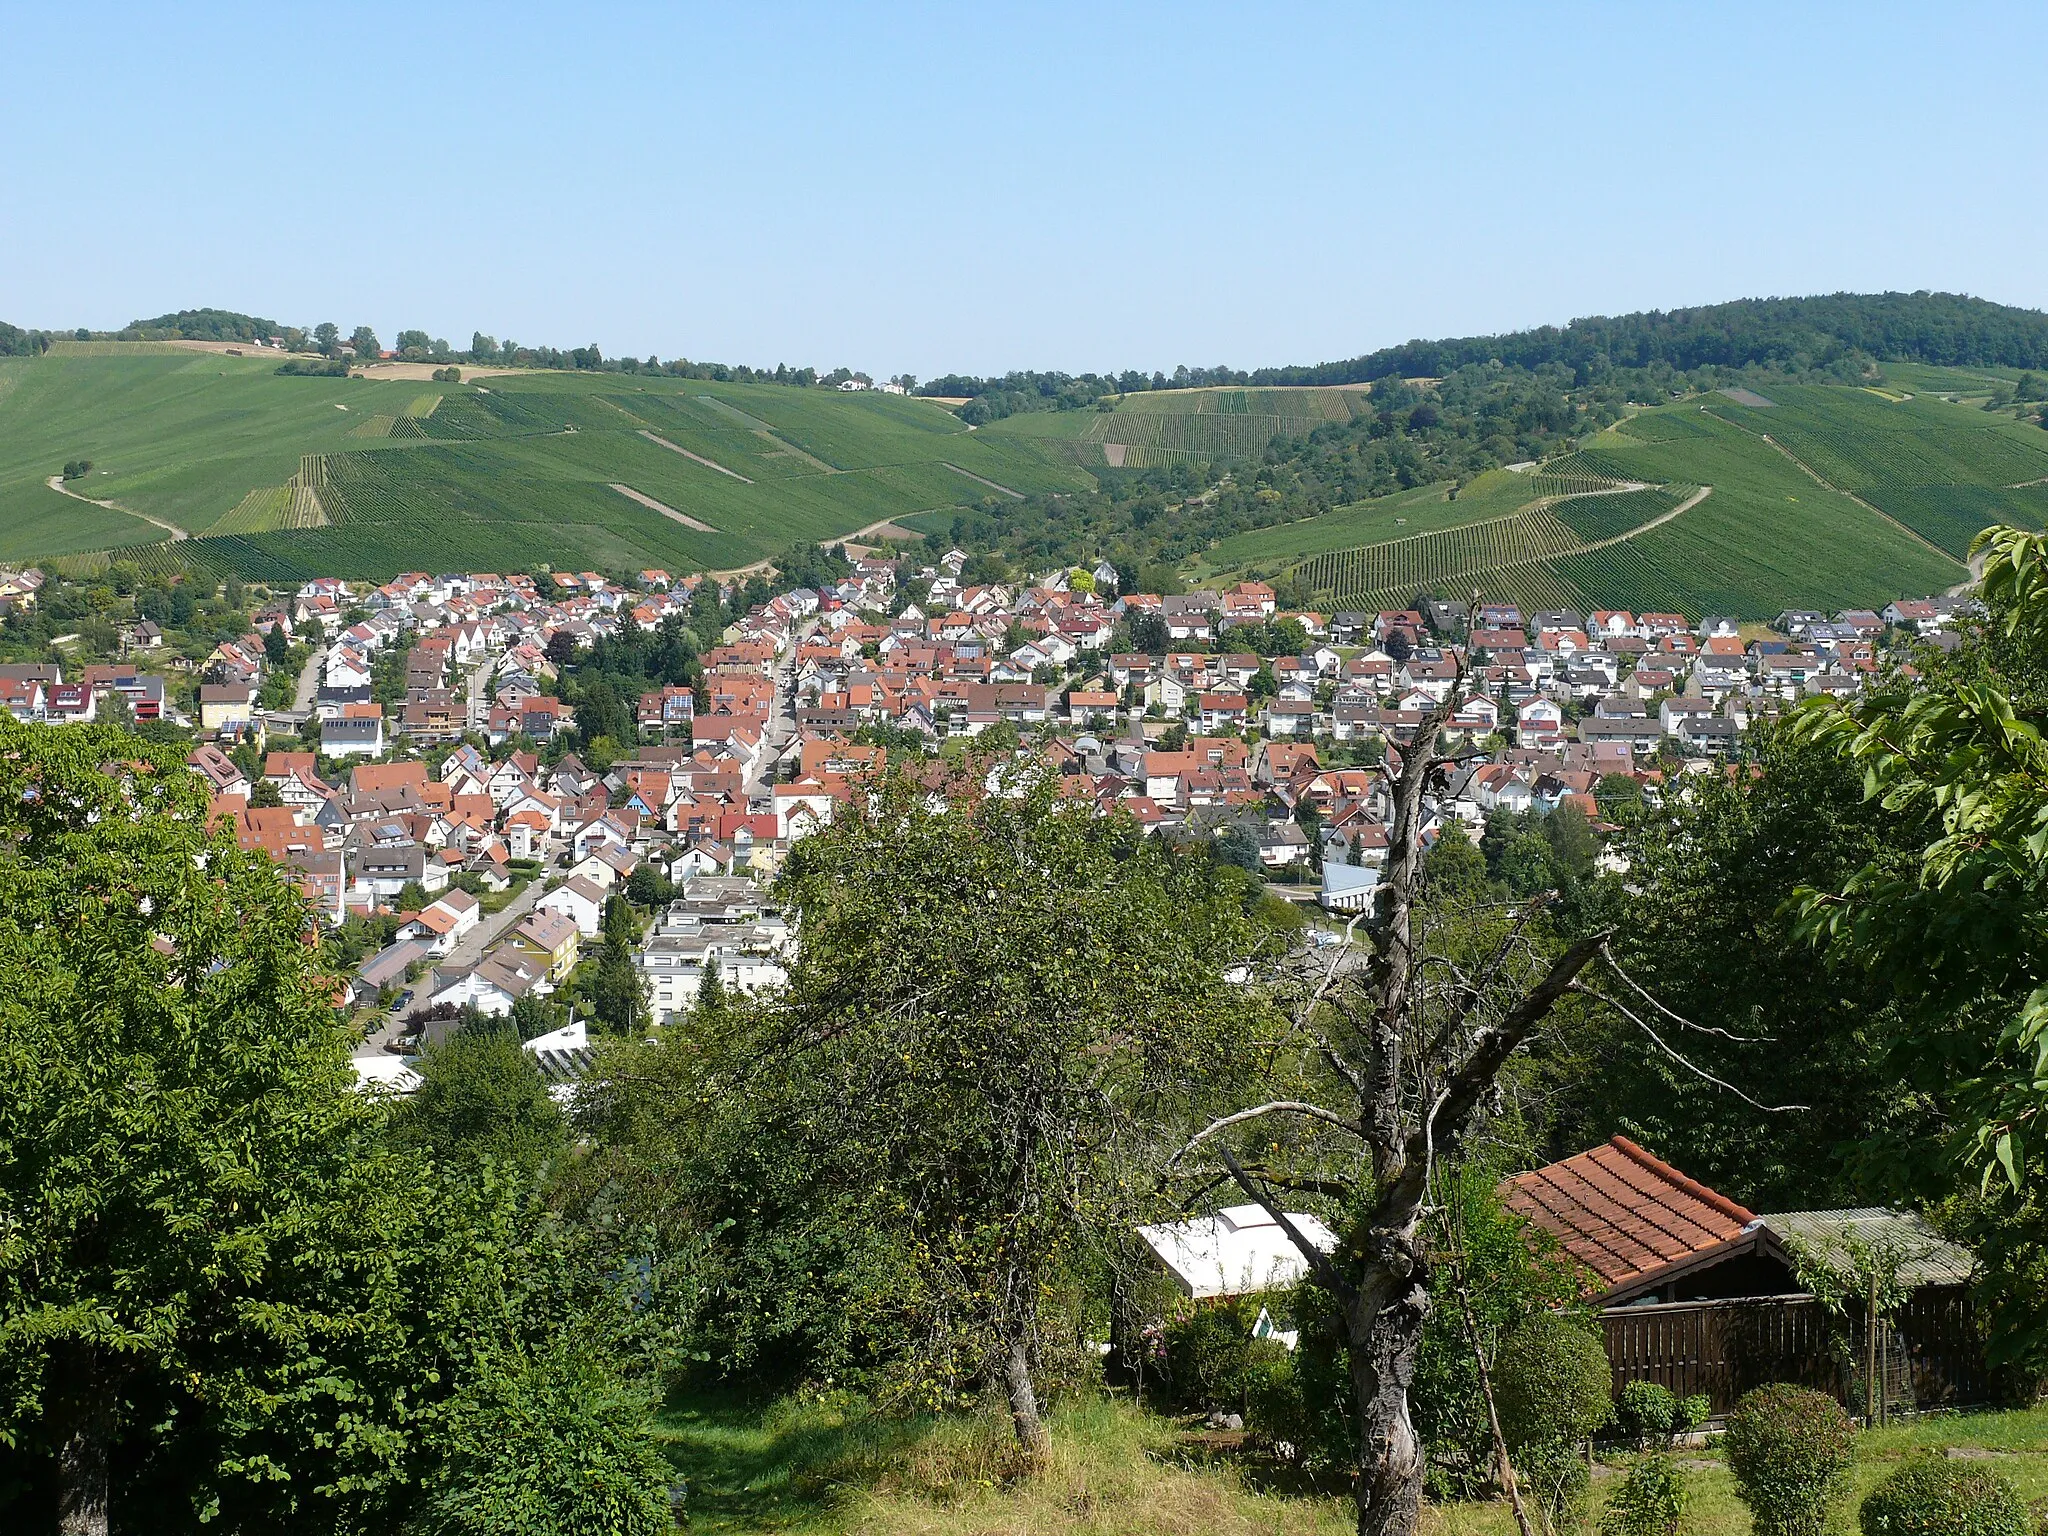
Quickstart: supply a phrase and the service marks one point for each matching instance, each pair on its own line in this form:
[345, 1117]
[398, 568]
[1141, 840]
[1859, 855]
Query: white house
[579, 901]
[442, 925]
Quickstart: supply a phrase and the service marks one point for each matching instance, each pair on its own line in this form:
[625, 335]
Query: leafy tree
[265, 795]
[992, 1006]
[276, 647]
[327, 336]
[1957, 930]
[1709, 929]
[364, 342]
[615, 990]
[481, 1096]
[229, 1305]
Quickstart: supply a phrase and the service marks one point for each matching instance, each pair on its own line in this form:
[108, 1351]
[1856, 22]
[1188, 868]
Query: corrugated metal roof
[1927, 1258]
[1623, 1213]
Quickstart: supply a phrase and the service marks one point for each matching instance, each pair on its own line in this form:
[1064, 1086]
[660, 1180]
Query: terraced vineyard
[276, 476]
[1945, 471]
[1903, 484]
[1379, 575]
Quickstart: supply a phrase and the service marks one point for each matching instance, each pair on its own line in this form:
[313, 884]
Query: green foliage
[992, 1007]
[1930, 1497]
[1693, 1411]
[232, 1301]
[1212, 1360]
[1511, 1273]
[1651, 1500]
[548, 1446]
[1551, 1381]
[1710, 932]
[481, 1097]
[1646, 1408]
[1790, 1449]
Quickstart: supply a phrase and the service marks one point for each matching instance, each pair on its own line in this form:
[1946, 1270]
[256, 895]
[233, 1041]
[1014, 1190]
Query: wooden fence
[1931, 1353]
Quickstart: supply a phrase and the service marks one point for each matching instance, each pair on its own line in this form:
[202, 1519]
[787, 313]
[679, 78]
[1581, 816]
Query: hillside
[279, 478]
[1817, 495]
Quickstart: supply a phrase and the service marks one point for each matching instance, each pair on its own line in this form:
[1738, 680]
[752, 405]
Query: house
[553, 937]
[578, 900]
[225, 706]
[493, 984]
[1239, 1251]
[442, 925]
[1700, 1293]
[353, 735]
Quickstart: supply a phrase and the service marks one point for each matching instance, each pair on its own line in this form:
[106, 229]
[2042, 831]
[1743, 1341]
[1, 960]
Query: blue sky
[974, 187]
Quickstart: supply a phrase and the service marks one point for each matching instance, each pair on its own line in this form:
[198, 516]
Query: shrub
[1692, 1412]
[1790, 1450]
[1212, 1360]
[1550, 1384]
[1944, 1498]
[1650, 1502]
[1647, 1409]
[1550, 1381]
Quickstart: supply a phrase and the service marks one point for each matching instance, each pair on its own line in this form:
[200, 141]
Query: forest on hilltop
[1827, 334]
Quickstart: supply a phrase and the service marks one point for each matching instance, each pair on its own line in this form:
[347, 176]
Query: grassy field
[518, 472]
[1829, 497]
[824, 1469]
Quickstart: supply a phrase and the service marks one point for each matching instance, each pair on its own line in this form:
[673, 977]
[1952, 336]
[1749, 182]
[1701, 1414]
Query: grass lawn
[831, 1467]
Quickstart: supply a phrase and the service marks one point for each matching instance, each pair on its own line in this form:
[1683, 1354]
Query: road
[781, 717]
[309, 681]
[479, 698]
[467, 951]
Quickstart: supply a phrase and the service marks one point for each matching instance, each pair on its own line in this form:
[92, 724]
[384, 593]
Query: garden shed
[1701, 1295]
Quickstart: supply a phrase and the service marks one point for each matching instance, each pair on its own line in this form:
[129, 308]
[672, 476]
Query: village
[429, 772]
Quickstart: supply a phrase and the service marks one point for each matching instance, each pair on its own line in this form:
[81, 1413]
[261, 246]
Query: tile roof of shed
[1625, 1214]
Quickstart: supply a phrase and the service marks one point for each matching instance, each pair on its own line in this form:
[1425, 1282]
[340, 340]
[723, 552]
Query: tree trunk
[1384, 1325]
[1024, 1414]
[88, 1418]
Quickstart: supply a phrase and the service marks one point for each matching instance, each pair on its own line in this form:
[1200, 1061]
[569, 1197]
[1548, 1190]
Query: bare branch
[1317, 1260]
[1277, 1107]
[1697, 1071]
[1635, 986]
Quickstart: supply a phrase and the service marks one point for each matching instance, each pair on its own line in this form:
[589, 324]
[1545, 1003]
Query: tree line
[1832, 335]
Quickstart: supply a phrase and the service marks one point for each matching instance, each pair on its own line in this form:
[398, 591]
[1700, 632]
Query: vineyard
[1942, 470]
[1600, 515]
[1390, 574]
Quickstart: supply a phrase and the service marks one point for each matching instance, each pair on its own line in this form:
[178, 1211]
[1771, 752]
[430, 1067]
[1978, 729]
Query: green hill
[280, 478]
[1816, 495]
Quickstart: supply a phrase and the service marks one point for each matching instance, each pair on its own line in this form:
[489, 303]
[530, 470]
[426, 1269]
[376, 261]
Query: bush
[549, 1446]
[1944, 1498]
[1790, 1450]
[1647, 1409]
[1550, 1381]
[1692, 1412]
[1212, 1360]
[1650, 1502]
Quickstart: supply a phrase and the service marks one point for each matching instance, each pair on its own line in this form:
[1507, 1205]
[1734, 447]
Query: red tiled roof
[1625, 1214]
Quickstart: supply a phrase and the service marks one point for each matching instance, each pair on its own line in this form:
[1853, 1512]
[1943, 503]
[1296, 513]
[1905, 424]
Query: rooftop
[1626, 1215]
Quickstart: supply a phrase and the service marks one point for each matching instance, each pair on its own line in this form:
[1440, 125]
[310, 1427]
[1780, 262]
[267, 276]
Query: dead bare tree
[1412, 1044]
